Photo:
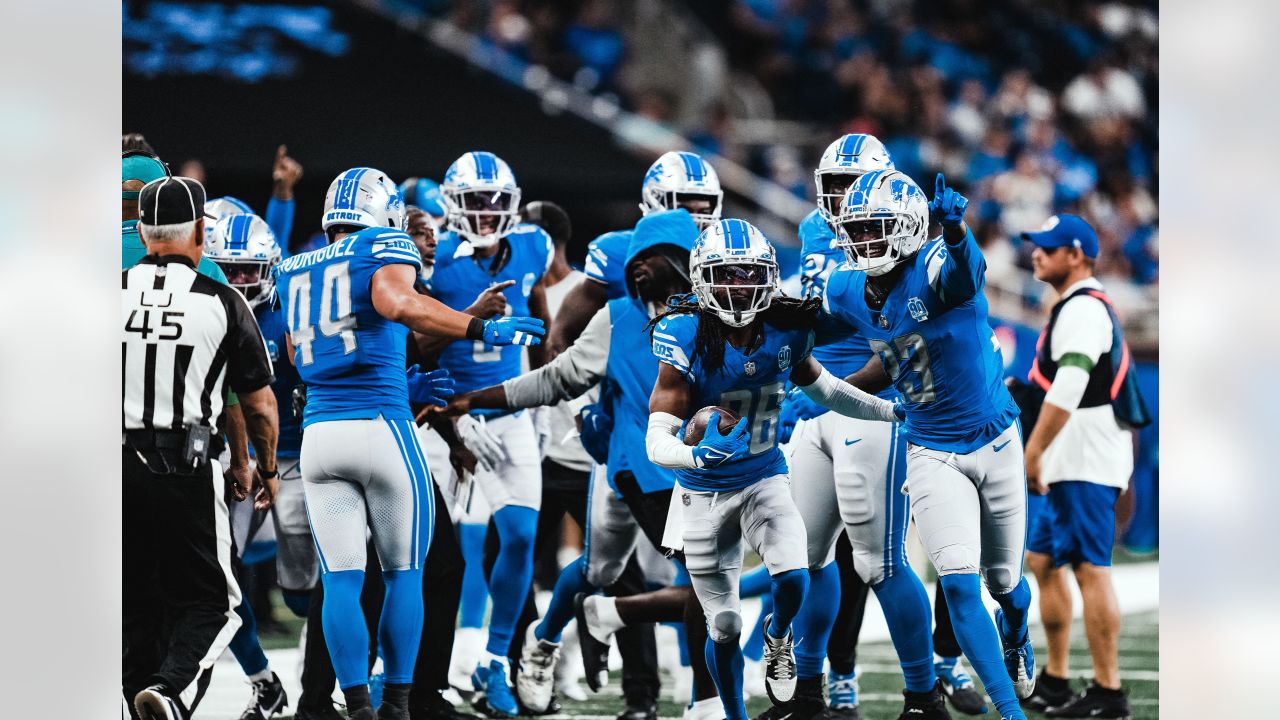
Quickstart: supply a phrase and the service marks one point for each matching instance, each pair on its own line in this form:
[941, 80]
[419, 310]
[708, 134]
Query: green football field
[881, 680]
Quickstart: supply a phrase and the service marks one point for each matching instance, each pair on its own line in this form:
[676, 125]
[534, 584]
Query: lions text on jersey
[751, 384]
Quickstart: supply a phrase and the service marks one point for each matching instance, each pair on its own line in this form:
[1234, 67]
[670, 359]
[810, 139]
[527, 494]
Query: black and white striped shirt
[184, 336]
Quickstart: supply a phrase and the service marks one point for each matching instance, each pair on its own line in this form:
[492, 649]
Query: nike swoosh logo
[1000, 447]
[848, 442]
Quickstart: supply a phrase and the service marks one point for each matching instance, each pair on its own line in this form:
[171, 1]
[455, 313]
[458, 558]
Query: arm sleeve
[1068, 387]
[665, 450]
[957, 272]
[280, 219]
[248, 366]
[838, 395]
[570, 374]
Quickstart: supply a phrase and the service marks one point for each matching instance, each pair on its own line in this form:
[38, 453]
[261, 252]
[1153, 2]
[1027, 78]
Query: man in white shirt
[1081, 454]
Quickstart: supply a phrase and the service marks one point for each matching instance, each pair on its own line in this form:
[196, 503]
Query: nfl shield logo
[750, 367]
[884, 321]
[684, 497]
[917, 309]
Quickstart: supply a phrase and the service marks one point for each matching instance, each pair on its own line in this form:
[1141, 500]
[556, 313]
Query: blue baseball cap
[1065, 231]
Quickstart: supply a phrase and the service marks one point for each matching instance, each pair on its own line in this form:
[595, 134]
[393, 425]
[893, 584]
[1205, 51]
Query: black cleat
[640, 709]
[154, 703]
[319, 711]
[268, 700]
[595, 654]
[959, 687]
[924, 706]
[437, 708]
[805, 704]
[1050, 692]
[1095, 702]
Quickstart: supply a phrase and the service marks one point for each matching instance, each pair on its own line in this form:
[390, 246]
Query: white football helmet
[734, 271]
[680, 177]
[220, 208]
[363, 197]
[245, 248]
[842, 163]
[481, 197]
[883, 220]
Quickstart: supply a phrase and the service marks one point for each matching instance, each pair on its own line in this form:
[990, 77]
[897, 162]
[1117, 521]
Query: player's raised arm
[959, 272]
[833, 393]
[395, 299]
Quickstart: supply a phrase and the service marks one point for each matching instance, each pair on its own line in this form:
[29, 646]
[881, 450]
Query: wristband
[269, 475]
[475, 329]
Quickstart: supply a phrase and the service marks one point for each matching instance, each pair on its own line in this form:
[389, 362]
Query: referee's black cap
[171, 201]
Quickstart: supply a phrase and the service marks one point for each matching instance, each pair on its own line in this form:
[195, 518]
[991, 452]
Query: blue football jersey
[840, 348]
[752, 385]
[275, 334]
[607, 261]
[934, 340]
[459, 277]
[351, 358]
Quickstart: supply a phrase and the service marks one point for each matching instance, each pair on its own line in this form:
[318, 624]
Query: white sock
[261, 676]
[606, 619]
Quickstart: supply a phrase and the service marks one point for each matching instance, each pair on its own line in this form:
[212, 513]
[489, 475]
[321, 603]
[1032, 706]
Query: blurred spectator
[192, 168]
[1025, 194]
[135, 141]
[1104, 92]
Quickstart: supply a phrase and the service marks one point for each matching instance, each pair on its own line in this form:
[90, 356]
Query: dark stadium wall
[391, 102]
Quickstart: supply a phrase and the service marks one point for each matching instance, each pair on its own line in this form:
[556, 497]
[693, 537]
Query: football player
[920, 305]
[677, 179]
[733, 344]
[485, 245]
[349, 308]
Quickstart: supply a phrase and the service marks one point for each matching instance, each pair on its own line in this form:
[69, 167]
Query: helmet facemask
[874, 245]
[483, 216]
[704, 208]
[251, 277]
[831, 186]
[736, 290]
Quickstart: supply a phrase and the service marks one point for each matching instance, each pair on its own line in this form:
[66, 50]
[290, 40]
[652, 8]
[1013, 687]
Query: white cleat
[535, 678]
[709, 709]
[779, 666]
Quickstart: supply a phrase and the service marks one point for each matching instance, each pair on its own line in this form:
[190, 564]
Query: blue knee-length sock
[1015, 604]
[344, 627]
[245, 645]
[906, 611]
[816, 618]
[724, 659]
[755, 583]
[400, 629]
[572, 580]
[753, 649]
[976, 632]
[475, 591]
[789, 589]
[512, 573]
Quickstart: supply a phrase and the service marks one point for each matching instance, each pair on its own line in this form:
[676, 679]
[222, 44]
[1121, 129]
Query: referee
[184, 337]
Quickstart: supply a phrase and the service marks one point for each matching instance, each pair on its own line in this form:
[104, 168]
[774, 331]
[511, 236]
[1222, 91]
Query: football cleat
[641, 708]
[322, 711]
[806, 704]
[959, 687]
[1050, 692]
[842, 695]
[1095, 702]
[498, 700]
[595, 654]
[535, 678]
[779, 665]
[924, 706]
[268, 699]
[153, 704]
[1019, 660]
[708, 709]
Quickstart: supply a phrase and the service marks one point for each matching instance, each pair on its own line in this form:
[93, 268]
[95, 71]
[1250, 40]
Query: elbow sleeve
[664, 448]
[835, 394]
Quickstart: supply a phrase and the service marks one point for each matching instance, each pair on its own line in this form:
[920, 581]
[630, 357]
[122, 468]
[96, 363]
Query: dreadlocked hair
[784, 313]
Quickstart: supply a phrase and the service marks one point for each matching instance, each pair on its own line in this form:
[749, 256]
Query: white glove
[488, 450]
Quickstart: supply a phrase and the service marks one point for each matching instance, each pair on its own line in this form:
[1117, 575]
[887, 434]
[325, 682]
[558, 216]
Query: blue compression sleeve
[1015, 604]
[726, 665]
[344, 627]
[512, 573]
[789, 589]
[400, 629]
[475, 593]
[280, 219]
[244, 644]
[572, 580]
[906, 611]
[976, 632]
[816, 618]
[754, 583]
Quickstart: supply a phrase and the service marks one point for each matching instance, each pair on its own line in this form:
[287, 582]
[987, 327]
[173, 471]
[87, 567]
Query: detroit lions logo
[917, 309]
[784, 357]
[903, 190]
[654, 174]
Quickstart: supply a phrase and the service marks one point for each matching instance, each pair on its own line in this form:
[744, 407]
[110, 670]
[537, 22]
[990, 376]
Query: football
[697, 426]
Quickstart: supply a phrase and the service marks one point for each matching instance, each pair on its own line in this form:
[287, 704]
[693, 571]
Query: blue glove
[947, 206]
[716, 449]
[786, 420]
[514, 331]
[597, 426]
[429, 388]
[803, 406]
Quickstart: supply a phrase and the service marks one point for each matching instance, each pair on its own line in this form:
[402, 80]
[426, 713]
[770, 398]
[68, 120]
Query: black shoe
[640, 709]
[553, 707]
[930, 705]
[1095, 702]
[319, 711]
[437, 708]
[805, 704]
[1050, 692]
[268, 700]
[595, 654]
[154, 703]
